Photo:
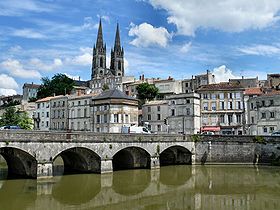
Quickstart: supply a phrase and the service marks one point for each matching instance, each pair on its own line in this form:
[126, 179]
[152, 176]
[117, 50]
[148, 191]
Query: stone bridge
[32, 154]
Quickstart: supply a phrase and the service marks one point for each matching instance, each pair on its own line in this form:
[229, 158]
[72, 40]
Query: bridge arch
[175, 155]
[21, 164]
[132, 157]
[78, 160]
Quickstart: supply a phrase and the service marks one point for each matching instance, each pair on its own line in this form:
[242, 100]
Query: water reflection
[135, 181]
[171, 187]
[77, 189]
[175, 175]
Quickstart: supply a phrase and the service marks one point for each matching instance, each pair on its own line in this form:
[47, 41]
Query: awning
[211, 128]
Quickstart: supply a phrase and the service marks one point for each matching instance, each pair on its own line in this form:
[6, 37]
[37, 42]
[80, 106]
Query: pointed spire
[117, 39]
[99, 41]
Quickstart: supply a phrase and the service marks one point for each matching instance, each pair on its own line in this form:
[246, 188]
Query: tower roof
[117, 39]
[99, 41]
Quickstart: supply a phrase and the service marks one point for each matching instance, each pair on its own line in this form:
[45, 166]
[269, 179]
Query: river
[170, 188]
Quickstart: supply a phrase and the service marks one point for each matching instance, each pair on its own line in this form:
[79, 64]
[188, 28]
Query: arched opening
[131, 158]
[175, 155]
[76, 160]
[119, 65]
[135, 181]
[19, 163]
[101, 62]
[77, 189]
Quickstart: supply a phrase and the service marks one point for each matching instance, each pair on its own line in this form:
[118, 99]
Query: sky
[161, 38]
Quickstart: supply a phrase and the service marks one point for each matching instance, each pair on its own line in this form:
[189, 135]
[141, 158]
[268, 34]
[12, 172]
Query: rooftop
[113, 94]
[221, 86]
[254, 91]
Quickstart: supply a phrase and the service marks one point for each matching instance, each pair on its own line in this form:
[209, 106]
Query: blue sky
[179, 38]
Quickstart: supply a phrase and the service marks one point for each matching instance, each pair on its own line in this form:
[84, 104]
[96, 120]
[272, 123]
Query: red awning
[211, 128]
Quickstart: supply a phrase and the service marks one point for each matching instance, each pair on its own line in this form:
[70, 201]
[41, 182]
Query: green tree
[146, 91]
[12, 116]
[59, 84]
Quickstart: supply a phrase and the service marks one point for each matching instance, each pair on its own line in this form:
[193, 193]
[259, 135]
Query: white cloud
[84, 59]
[223, 74]
[7, 82]
[186, 47]
[16, 69]
[148, 35]
[224, 15]
[38, 64]
[28, 33]
[89, 23]
[7, 92]
[264, 50]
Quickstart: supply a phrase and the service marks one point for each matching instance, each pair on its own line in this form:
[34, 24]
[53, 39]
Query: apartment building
[222, 108]
[41, 115]
[59, 113]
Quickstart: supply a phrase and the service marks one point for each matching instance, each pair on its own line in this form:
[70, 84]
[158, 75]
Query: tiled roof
[221, 86]
[28, 85]
[45, 99]
[113, 94]
[253, 91]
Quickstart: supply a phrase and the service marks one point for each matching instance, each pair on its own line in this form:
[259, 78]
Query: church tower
[99, 55]
[117, 56]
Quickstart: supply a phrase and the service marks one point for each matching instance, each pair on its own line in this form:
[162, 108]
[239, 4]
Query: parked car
[135, 129]
[276, 133]
[10, 127]
[208, 133]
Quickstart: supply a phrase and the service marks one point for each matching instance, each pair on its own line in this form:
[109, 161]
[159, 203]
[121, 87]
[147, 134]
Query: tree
[12, 116]
[146, 92]
[60, 84]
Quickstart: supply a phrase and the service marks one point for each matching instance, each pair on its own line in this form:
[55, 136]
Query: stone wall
[237, 150]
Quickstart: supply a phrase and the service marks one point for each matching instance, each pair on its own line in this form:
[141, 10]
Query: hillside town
[244, 106]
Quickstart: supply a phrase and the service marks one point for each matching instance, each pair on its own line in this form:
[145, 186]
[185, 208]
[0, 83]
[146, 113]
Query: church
[101, 76]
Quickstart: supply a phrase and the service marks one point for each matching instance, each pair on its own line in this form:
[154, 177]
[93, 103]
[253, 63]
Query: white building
[42, 114]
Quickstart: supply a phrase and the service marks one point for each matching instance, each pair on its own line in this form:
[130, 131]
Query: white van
[135, 129]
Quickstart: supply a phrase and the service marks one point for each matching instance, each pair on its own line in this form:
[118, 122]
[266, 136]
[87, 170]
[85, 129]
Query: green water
[170, 188]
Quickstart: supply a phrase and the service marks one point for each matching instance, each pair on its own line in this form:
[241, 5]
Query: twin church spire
[99, 56]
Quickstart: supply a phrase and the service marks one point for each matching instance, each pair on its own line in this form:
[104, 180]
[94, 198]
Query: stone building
[183, 113]
[273, 81]
[263, 113]
[246, 82]
[59, 113]
[29, 91]
[222, 108]
[155, 115]
[191, 85]
[41, 115]
[113, 109]
[168, 87]
[79, 112]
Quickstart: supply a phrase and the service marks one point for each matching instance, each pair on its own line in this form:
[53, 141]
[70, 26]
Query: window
[238, 118]
[158, 117]
[73, 103]
[97, 118]
[105, 107]
[79, 113]
[158, 108]
[213, 96]
[205, 106]
[271, 129]
[47, 124]
[222, 105]
[79, 103]
[47, 114]
[149, 109]
[187, 84]
[238, 104]
[222, 118]
[265, 129]
[205, 96]
[158, 127]
[271, 102]
[188, 111]
[252, 120]
[85, 125]
[173, 102]
[72, 125]
[229, 105]
[85, 112]
[213, 106]
[149, 117]
[85, 102]
[63, 103]
[188, 101]
[263, 115]
[230, 118]
[105, 118]
[237, 95]
[78, 126]
[252, 106]
[172, 112]
[116, 118]
[263, 103]
[222, 96]
[272, 115]
[229, 95]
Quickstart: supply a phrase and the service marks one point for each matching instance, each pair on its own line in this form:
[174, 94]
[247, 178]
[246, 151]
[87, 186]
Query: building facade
[113, 109]
[41, 116]
[29, 91]
[184, 113]
[222, 108]
[59, 113]
[263, 114]
[155, 114]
